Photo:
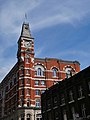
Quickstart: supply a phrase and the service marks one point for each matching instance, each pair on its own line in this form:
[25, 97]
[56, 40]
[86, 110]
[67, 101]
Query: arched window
[22, 116]
[40, 72]
[69, 71]
[54, 72]
[28, 116]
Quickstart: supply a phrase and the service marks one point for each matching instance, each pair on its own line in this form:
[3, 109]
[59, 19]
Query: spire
[26, 31]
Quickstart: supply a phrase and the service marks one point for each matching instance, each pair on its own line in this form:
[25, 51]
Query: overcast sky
[61, 29]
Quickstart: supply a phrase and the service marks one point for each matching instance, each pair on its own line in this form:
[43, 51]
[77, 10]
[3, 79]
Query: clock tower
[25, 57]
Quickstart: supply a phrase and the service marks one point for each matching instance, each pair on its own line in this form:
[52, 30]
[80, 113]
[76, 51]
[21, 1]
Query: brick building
[21, 89]
[68, 99]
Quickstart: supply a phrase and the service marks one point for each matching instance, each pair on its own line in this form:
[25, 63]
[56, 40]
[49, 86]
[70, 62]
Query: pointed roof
[26, 31]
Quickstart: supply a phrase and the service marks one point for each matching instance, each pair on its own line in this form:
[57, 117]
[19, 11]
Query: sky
[61, 29]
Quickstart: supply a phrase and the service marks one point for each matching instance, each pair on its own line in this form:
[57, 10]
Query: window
[27, 60]
[0, 95]
[37, 92]
[69, 71]
[21, 102]
[55, 100]
[40, 72]
[49, 104]
[27, 71]
[42, 82]
[22, 71]
[56, 114]
[73, 113]
[70, 95]
[54, 72]
[89, 85]
[28, 81]
[43, 91]
[83, 109]
[28, 116]
[36, 82]
[15, 80]
[22, 82]
[8, 84]
[64, 115]
[28, 103]
[22, 92]
[62, 99]
[22, 116]
[80, 90]
[49, 115]
[37, 102]
[28, 91]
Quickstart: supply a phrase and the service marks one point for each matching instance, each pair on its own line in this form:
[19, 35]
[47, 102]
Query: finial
[25, 16]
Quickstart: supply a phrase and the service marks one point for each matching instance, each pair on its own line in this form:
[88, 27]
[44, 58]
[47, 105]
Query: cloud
[41, 14]
[38, 52]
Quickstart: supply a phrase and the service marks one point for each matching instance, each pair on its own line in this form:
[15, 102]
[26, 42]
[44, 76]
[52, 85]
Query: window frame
[37, 92]
[38, 103]
[36, 82]
[43, 82]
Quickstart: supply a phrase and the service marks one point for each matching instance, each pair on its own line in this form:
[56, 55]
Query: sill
[27, 95]
[40, 85]
[21, 84]
[39, 75]
[21, 95]
[37, 95]
[27, 84]
[27, 63]
[55, 107]
[27, 74]
[62, 104]
[54, 77]
[37, 107]
[48, 109]
[71, 101]
[21, 74]
[81, 98]
[36, 85]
